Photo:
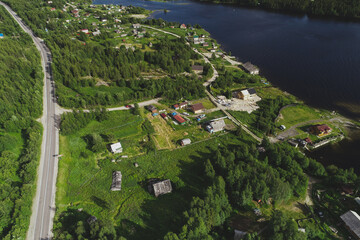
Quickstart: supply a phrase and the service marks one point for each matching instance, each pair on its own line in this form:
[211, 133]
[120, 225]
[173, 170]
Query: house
[53, 9]
[85, 31]
[197, 108]
[205, 44]
[160, 187]
[152, 109]
[163, 115]
[116, 148]
[136, 25]
[176, 106]
[1, 35]
[185, 142]
[246, 93]
[320, 130]
[243, 94]
[182, 105]
[198, 69]
[179, 119]
[116, 181]
[352, 222]
[250, 68]
[183, 26]
[216, 126]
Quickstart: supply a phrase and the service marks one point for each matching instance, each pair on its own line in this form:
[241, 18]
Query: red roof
[179, 119]
[176, 105]
[183, 104]
[163, 115]
[323, 127]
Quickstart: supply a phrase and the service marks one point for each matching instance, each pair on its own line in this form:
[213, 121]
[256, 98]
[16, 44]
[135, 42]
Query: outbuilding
[160, 187]
[185, 142]
[352, 222]
[250, 68]
[116, 148]
[116, 181]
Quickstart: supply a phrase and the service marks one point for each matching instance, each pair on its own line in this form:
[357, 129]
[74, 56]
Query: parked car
[128, 106]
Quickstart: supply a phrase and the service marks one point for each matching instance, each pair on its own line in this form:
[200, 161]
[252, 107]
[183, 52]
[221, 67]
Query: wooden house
[160, 187]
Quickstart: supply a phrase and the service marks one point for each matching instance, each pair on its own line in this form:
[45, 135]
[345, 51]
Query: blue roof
[1, 34]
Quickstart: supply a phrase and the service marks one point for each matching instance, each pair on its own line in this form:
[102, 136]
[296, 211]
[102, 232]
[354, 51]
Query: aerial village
[175, 126]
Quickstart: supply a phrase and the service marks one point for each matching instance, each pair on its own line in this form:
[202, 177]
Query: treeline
[20, 78]
[135, 90]
[240, 176]
[337, 8]
[74, 121]
[20, 135]
[76, 66]
[17, 183]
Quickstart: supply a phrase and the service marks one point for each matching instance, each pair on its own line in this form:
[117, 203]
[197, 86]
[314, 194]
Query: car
[128, 106]
[282, 127]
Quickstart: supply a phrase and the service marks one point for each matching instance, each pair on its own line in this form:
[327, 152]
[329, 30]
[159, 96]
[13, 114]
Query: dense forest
[79, 65]
[20, 135]
[337, 8]
[240, 177]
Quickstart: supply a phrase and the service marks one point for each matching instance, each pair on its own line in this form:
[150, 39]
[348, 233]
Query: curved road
[43, 208]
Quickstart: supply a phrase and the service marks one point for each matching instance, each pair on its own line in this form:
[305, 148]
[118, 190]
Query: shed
[160, 187]
[352, 222]
[116, 148]
[116, 181]
[250, 68]
[185, 142]
[197, 108]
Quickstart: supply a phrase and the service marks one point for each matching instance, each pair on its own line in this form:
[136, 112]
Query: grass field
[297, 114]
[84, 179]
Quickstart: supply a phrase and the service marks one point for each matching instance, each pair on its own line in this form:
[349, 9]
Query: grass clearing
[85, 177]
[297, 114]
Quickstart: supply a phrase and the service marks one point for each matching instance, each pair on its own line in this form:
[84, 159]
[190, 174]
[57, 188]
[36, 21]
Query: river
[317, 60]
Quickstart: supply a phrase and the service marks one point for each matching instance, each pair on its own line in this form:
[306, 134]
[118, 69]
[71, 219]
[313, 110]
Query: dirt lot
[236, 104]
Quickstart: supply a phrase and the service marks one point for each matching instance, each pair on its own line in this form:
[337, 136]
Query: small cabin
[185, 142]
[116, 181]
[116, 148]
[158, 188]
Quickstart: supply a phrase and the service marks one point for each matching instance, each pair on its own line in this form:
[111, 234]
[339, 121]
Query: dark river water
[317, 60]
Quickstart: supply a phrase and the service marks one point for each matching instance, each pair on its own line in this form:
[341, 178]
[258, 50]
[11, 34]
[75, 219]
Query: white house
[116, 148]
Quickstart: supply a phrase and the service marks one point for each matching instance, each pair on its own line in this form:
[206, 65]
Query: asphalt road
[43, 208]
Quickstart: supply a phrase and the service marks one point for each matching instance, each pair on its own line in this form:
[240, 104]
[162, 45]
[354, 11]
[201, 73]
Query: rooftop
[352, 221]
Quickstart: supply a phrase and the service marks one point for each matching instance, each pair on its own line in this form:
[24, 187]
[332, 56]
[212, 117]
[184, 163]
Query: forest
[20, 135]
[239, 176]
[330, 8]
